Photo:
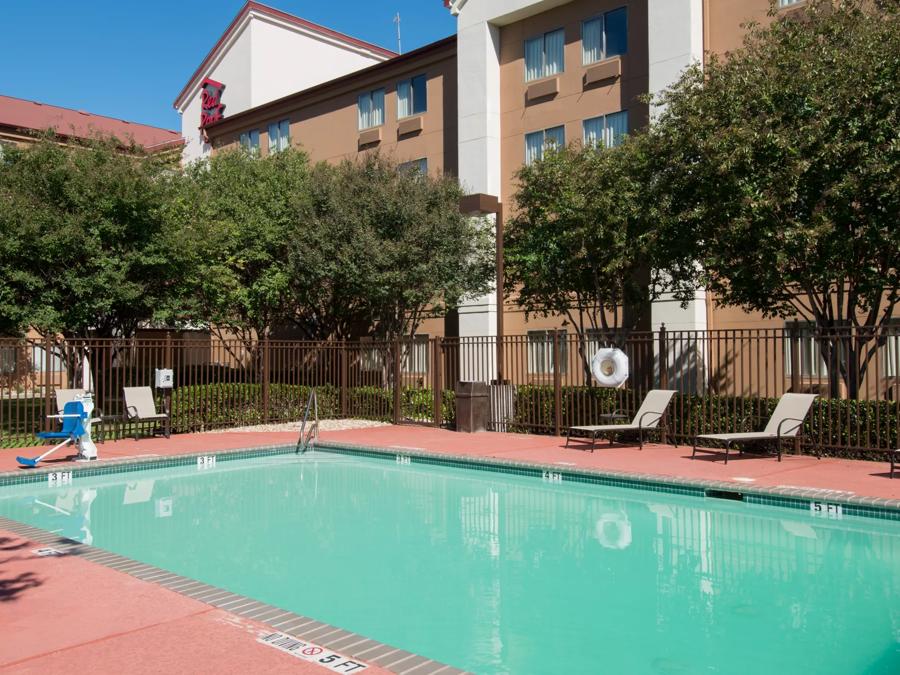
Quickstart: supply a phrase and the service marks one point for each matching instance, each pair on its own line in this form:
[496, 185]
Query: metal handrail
[309, 438]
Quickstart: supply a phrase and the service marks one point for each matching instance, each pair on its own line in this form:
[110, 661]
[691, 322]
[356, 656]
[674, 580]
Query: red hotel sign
[211, 107]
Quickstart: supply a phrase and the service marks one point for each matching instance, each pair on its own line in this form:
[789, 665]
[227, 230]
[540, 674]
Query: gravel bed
[324, 425]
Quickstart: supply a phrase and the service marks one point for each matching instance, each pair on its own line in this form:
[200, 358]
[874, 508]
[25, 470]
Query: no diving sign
[314, 653]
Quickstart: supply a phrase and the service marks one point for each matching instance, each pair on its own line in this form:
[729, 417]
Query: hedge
[211, 406]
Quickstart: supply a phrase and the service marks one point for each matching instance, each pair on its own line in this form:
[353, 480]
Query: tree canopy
[781, 166]
[86, 243]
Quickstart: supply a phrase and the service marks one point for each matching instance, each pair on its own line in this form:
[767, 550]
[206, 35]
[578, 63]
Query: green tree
[240, 214]
[86, 246]
[583, 243]
[385, 248]
[782, 165]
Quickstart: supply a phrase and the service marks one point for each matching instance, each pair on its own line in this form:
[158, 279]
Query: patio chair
[64, 396]
[786, 422]
[895, 458]
[140, 407]
[648, 416]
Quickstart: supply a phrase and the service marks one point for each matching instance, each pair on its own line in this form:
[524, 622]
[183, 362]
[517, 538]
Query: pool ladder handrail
[309, 438]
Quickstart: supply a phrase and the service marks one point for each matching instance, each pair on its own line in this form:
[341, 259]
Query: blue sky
[130, 58]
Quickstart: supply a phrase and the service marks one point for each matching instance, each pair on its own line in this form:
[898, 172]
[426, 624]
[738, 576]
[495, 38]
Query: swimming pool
[500, 573]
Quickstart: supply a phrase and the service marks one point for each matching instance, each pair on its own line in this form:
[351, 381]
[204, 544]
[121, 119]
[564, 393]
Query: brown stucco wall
[575, 102]
[323, 120]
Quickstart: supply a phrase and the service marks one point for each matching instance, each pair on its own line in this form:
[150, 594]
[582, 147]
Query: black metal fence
[726, 380]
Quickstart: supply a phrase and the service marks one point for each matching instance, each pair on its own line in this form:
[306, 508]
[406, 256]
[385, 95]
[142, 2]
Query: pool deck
[58, 611]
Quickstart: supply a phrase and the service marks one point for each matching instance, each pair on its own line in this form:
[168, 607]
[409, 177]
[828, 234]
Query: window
[415, 355]
[9, 356]
[544, 55]
[812, 364]
[412, 96]
[279, 136]
[536, 142]
[250, 141]
[604, 36]
[788, 3]
[418, 165]
[890, 353]
[371, 109]
[540, 351]
[606, 130]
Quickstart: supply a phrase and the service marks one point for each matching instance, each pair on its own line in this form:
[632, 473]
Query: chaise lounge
[648, 416]
[786, 422]
[140, 407]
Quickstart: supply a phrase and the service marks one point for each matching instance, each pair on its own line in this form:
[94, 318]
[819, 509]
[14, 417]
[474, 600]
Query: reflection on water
[508, 574]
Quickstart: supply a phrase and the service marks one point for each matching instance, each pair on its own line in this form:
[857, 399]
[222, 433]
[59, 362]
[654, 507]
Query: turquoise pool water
[506, 574]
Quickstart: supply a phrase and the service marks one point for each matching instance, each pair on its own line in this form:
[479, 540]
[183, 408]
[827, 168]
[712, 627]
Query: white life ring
[613, 531]
[610, 367]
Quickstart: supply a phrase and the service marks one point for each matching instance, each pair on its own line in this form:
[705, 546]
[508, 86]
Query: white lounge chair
[64, 396]
[786, 422]
[647, 417]
[140, 407]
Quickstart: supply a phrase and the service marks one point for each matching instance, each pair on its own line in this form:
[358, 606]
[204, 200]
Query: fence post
[167, 360]
[437, 359]
[265, 379]
[663, 373]
[345, 376]
[795, 368]
[397, 381]
[557, 386]
[48, 353]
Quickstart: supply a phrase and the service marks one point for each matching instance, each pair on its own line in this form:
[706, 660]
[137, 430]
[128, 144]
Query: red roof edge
[290, 18]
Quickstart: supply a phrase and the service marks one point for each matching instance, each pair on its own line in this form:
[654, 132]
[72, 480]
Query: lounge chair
[647, 417]
[786, 422]
[63, 396]
[140, 407]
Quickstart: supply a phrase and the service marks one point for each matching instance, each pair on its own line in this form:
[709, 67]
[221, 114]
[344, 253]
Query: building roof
[253, 6]
[31, 116]
[349, 79]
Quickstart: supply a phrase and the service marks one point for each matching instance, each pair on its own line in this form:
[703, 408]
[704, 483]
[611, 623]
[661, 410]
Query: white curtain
[404, 98]
[284, 134]
[534, 59]
[365, 111]
[616, 128]
[593, 131]
[273, 138]
[592, 40]
[554, 44]
[555, 137]
[534, 146]
[377, 107]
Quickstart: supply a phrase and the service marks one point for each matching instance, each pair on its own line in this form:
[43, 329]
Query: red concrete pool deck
[61, 614]
[860, 477]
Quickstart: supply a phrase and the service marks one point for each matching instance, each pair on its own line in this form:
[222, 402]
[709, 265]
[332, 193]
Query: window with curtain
[890, 353]
[812, 363]
[536, 142]
[606, 130]
[279, 136]
[541, 356]
[415, 355]
[544, 55]
[604, 36]
[412, 96]
[371, 109]
[418, 165]
[250, 141]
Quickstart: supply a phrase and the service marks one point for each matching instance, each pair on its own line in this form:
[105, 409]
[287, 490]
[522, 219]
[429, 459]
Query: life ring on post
[610, 367]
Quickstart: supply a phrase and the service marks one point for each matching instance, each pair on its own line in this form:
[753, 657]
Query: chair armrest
[131, 412]
[649, 412]
[790, 419]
